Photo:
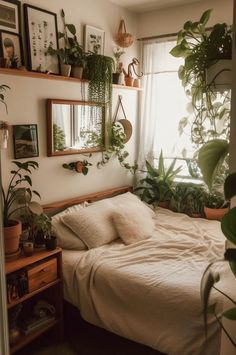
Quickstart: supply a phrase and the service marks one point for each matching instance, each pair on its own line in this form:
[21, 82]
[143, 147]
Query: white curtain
[163, 104]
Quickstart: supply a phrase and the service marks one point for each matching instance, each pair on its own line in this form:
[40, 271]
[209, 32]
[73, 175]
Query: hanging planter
[125, 124]
[220, 74]
[122, 38]
[81, 167]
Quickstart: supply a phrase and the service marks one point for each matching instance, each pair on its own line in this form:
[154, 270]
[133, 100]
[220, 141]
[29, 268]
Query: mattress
[149, 291]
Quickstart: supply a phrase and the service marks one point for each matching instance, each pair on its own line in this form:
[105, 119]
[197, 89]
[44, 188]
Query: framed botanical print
[41, 32]
[11, 50]
[94, 39]
[25, 139]
[10, 16]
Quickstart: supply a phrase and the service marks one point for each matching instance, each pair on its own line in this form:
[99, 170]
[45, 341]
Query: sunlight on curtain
[164, 103]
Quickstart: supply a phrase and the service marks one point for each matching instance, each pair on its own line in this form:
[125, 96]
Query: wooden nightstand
[43, 273]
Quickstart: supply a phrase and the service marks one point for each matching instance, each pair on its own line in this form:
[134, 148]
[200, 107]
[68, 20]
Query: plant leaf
[230, 314]
[228, 225]
[230, 186]
[205, 17]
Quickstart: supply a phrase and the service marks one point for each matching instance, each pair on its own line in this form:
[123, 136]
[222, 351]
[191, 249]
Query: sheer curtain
[163, 104]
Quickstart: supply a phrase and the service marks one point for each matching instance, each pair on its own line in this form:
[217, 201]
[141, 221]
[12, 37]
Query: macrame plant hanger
[125, 123]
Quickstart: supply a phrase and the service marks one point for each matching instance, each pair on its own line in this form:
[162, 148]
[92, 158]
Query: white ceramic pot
[77, 72]
[65, 69]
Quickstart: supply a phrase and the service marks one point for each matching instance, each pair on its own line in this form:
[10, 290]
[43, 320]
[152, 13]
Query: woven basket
[128, 129]
[122, 38]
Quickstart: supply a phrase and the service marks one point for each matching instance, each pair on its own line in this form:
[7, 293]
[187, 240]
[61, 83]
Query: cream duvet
[149, 291]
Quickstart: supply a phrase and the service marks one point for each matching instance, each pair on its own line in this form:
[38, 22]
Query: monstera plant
[210, 277]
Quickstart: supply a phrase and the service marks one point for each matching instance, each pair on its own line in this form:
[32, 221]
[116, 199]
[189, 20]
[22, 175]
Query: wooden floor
[82, 338]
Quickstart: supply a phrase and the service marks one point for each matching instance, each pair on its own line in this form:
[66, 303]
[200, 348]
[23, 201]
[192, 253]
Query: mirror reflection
[75, 127]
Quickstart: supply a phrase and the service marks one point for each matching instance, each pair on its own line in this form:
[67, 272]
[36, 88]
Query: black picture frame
[25, 141]
[40, 32]
[10, 9]
[11, 42]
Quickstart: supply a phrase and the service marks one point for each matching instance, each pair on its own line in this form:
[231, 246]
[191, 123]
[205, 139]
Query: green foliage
[83, 166]
[12, 195]
[58, 138]
[38, 223]
[116, 149]
[157, 186]
[230, 186]
[118, 52]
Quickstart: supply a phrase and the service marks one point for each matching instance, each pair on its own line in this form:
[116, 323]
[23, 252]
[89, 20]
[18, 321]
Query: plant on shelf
[72, 54]
[116, 149]
[201, 48]
[117, 52]
[11, 198]
[78, 166]
[211, 277]
[158, 185]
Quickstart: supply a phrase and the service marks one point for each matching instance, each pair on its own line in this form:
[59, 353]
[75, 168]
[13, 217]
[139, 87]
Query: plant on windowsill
[10, 197]
[201, 48]
[158, 185]
[210, 277]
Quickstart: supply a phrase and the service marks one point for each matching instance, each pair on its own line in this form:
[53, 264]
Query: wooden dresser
[42, 274]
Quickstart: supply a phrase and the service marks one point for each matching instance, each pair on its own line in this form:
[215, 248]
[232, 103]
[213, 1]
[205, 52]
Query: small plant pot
[77, 72]
[116, 78]
[137, 83]
[51, 243]
[79, 167]
[129, 81]
[215, 213]
[65, 69]
[12, 235]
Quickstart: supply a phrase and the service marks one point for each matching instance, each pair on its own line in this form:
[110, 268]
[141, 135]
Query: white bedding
[149, 291]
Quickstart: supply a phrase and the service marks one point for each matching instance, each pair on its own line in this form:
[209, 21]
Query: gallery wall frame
[25, 141]
[11, 49]
[10, 16]
[94, 39]
[41, 32]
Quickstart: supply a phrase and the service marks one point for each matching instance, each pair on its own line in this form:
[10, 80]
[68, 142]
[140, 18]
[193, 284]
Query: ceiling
[149, 5]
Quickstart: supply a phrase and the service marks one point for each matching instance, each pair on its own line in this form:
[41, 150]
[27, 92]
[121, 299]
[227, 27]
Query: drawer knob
[43, 270]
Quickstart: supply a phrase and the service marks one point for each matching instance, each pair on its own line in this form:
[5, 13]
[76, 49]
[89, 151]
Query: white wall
[171, 20]
[26, 104]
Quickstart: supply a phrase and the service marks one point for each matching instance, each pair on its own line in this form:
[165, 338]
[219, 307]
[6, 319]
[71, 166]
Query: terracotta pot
[79, 167]
[129, 81]
[215, 213]
[12, 237]
[164, 204]
[137, 83]
[65, 69]
[77, 72]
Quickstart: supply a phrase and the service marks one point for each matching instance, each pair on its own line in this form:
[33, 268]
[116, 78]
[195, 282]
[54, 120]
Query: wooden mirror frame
[50, 151]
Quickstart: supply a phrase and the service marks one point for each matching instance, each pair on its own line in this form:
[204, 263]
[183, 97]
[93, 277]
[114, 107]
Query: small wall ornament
[80, 166]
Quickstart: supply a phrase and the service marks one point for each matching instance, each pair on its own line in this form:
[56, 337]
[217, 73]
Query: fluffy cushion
[133, 225]
[65, 237]
[93, 224]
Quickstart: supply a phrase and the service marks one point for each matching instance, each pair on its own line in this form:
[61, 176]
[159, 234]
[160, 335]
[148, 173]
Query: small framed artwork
[11, 49]
[10, 16]
[41, 32]
[25, 140]
[94, 39]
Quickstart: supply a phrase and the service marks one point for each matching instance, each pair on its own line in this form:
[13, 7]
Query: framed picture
[11, 49]
[94, 39]
[10, 16]
[41, 32]
[25, 139]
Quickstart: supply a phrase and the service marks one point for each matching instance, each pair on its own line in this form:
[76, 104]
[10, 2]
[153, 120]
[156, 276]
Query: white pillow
[66, 239]
[133, 226]
[93, 224]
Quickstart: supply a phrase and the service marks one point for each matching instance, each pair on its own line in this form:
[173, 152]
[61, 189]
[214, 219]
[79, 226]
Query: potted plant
[10, 197]
[118, 65]
[210, 276]
[157, 186]
[78, 166]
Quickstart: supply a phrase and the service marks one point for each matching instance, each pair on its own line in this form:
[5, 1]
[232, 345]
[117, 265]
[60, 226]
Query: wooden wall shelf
[31, 74]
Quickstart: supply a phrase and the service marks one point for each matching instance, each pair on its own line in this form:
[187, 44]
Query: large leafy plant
[210, 277]
[157, 186]
[20, 175]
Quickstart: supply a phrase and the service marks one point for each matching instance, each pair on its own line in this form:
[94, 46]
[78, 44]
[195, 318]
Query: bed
[149, 291]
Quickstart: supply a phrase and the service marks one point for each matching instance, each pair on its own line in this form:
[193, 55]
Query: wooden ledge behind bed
[61, 205]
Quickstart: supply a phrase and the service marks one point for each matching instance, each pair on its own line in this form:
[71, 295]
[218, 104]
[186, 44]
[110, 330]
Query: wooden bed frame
[60, 205]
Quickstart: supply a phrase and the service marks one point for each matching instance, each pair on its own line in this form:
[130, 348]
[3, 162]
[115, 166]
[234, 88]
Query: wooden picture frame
[25, 140]
[11, 49]
[94, 39]
[10, 16]
[41, 31]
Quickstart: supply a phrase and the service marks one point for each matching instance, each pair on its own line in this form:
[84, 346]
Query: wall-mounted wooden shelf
[31, 74]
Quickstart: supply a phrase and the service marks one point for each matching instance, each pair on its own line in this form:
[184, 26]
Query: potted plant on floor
[10, 197]
[210, 277]
[158, 185]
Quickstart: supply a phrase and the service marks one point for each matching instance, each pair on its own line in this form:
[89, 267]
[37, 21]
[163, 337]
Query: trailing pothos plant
[201, 47]
[210, 277]
[116, 148]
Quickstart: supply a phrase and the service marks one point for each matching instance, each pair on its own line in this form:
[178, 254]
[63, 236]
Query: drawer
[42, 274]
